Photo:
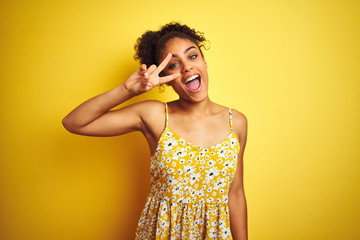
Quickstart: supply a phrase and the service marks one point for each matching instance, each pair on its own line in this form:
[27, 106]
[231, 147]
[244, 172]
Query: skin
[180, 59]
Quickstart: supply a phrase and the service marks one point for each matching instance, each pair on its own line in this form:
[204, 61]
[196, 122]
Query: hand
[144, 79]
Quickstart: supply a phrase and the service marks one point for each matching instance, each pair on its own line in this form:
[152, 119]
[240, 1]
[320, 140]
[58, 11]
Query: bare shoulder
[152, 114]
[143, 108]
[149, 109]
[150, 105]
[239, 118]
[220, 108]
[240, 124]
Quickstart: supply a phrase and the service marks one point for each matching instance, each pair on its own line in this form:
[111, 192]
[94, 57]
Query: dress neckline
[191, 144]
[194, 145]
[198, 147]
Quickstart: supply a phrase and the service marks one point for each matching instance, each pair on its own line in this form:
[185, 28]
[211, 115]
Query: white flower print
[172, 181]
[232, 164]
[211, 173]
[219, 184]
[176, 191]
[212, 232]
[180, 153]
[170, 171]
[232, 142]
[225, 231]
[189, 169]
[200, 193]
[170, 143]
[221, 152]
[194, 176]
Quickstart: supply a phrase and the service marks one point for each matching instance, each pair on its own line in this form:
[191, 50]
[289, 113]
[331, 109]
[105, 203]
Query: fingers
[163, 63]
[142, 69]
[151, 69]
[168, 78]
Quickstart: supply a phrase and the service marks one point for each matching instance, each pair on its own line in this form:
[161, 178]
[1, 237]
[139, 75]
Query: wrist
[124, 91]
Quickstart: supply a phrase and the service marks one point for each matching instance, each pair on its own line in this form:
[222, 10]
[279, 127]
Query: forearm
[238, 216]
[95, 107]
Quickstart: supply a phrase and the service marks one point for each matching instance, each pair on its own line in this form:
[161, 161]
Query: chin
[195, 99]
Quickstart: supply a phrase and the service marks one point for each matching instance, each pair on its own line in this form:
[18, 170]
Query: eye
[173, 65]
[193, 56]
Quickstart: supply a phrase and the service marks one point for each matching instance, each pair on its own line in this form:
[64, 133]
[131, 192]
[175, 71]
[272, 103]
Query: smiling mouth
[193, 83]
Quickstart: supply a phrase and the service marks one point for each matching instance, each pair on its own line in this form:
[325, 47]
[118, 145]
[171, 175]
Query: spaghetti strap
[230, 118]
[166, 115]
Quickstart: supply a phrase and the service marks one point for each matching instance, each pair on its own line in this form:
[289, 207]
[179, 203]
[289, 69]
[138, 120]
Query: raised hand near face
[144, 79]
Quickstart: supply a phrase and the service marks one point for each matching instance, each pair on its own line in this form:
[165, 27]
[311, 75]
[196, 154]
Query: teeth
[191, 78]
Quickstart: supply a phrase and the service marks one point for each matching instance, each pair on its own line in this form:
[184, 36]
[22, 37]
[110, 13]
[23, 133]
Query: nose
[187, 67]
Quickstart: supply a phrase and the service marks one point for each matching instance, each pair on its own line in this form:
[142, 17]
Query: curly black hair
[148, 47]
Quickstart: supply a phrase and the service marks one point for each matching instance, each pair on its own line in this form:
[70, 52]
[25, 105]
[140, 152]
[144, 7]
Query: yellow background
[292, 67]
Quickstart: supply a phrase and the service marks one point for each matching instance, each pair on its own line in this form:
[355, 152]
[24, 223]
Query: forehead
[177, 46]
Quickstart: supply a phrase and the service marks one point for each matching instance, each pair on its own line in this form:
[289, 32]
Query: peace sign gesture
[145, 79]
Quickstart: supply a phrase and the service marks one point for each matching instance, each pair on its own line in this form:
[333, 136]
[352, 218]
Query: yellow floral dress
[189, 189]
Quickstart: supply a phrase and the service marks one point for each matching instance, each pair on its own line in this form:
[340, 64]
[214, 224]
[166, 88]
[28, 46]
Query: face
[192, 84]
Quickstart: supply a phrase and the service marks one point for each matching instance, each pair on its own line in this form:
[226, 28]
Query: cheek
[176, 84]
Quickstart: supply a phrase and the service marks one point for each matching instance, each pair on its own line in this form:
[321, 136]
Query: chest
[202, 133]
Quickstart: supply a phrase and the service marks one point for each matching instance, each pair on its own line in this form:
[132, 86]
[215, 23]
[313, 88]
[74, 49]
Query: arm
[94, 118]
[237, 200]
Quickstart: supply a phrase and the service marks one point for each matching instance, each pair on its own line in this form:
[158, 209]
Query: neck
[197, 109]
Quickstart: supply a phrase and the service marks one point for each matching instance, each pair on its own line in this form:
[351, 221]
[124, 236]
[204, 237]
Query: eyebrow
[186, 50]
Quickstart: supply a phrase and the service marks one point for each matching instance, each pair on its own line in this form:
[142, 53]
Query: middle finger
[151, 69]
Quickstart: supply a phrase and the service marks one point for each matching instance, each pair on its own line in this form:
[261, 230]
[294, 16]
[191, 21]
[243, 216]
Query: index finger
[163, 64]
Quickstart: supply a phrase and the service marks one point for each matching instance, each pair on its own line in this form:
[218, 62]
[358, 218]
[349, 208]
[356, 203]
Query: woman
[196, 145]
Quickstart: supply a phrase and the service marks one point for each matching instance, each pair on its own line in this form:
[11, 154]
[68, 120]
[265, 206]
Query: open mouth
[193, 83]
